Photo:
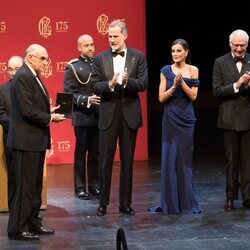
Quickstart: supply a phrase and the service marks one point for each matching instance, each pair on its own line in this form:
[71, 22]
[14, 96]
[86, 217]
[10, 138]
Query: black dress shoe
[246, 204]
[101, 210]
[94, 192]
[228, 205]
[44, 231]
[83, 195]
[23, 236]
[126, 210]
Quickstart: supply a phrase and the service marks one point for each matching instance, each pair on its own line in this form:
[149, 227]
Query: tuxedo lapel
[42, 86]
[44, 93]
[42, 89]
[232, 67]
[130, 60]
[107, 62]
[245, 64]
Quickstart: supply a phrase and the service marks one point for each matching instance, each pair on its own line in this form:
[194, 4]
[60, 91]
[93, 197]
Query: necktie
[115, 53]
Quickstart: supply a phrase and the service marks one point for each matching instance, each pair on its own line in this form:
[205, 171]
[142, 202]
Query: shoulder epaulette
[73, 60]
[75, 73]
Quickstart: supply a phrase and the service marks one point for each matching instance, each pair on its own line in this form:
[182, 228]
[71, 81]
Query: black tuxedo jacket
[77, 78]
[137, 82]
[234, 108]
[30, 113]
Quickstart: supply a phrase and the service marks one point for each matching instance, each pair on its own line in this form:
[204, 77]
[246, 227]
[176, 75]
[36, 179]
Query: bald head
[34, 49]
[36, 56]
[14, 63]
[86, 46]
[83, 38]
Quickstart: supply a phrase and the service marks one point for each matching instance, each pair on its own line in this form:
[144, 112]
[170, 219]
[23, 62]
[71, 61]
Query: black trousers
[86, 158]
[25, 206]
[11, 175]
[237, 153]
[107, 147]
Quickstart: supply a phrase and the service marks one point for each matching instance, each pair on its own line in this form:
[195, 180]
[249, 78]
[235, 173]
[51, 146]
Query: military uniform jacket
[77, 78]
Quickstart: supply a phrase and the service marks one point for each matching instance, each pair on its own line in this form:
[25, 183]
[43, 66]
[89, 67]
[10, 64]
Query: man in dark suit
[119, 73]
[14, 63]
[29, 137]
[231, 85]
[77, 79]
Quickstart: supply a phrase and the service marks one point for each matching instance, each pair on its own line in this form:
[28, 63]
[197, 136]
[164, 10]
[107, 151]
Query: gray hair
[239, 33]
[33, 48]
[119, 23]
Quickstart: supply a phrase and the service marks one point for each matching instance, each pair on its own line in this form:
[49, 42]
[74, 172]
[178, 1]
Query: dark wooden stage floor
[77, 226]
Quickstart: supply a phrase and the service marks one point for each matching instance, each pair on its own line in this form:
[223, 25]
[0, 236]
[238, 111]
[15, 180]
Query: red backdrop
[56, 25]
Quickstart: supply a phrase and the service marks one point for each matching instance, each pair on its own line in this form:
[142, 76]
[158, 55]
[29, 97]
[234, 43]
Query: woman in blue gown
[178, 89]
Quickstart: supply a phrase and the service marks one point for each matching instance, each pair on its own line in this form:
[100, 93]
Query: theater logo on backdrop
[58, 33]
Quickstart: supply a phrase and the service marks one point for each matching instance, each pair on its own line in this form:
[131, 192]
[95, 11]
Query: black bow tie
[238, 59]
[115, 53]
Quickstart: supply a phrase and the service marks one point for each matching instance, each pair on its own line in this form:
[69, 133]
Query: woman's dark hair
[185, 46]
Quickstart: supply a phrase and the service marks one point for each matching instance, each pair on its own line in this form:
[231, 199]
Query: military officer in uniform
[77, 77]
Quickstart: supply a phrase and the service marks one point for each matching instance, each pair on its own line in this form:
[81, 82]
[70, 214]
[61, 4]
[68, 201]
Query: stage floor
[77, 226]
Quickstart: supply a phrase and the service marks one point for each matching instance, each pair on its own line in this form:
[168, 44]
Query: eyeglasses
[239, 45]
[42, 58]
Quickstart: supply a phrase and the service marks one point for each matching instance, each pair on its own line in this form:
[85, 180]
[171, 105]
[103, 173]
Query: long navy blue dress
[178, 124]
